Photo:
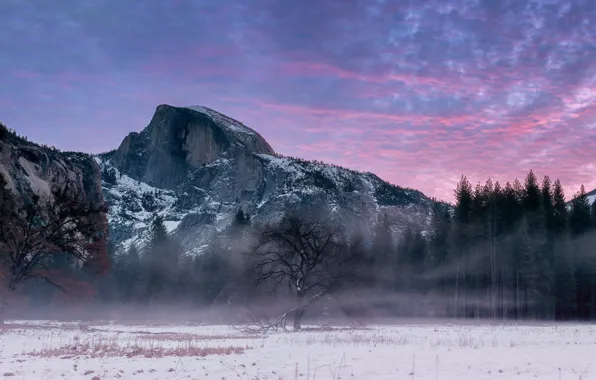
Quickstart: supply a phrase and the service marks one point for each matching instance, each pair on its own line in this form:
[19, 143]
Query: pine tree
[463, 201]
[559, 213]
[161, 263]
[535, 209]
[546, 258]
[531, 194]
[213, 275]
[460, 238]
[512, 206]
[585, 274]
[438, 240]
[188, 281]
[382, 252]
[492, 221]
[564, 280]
[580, 218]
[529, 294]
[564, 274]
[241, 218]
[131, 272]
[593, 213]
[158, 232]
[411, 260]
[547, 202]
[499, 260]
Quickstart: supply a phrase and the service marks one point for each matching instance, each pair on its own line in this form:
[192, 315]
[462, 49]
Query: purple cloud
[419, 92]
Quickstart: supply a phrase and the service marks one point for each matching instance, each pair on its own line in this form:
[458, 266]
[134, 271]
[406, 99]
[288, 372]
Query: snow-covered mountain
[196, 167]
[592, 196]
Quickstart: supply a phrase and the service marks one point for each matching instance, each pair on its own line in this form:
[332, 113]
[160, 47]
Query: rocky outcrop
[180, 140]
[30, 169]
[197, 167]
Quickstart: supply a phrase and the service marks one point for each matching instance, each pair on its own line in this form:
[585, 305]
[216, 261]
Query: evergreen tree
[213, 274]
[382, 251]
[585, 271]
[546, 257]
[593, 213]
[438, 240]
[513, 208]
[161, 263]
[129, 273]
[188, 282]
[528, 294]
[559, 211]
[463, 201]
[580, 218]
[547, 202]
[519, 191]
[564, 280]
[536, 207]
[531, 194]
[241, 218]
[158, 233]
[564, 273]
[460, 238]
[411, 260]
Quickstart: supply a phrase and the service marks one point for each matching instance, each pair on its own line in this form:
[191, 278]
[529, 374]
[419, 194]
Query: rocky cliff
[177, 141]
[30, 169]
[197, 167]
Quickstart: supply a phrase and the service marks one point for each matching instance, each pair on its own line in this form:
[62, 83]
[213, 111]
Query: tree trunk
[298, 314]
[3, 302]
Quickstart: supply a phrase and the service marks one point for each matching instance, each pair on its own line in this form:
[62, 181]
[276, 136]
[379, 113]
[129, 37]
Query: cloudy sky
[419, 92]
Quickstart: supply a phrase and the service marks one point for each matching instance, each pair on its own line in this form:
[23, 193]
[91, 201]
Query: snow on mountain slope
[196, 167]
[133, 204]
[221, 119]
[592, 196]
[350, 196]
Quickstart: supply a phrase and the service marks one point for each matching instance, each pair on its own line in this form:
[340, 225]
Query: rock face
[177, 141]
[197, 167]
[592, 196]
[31, 169]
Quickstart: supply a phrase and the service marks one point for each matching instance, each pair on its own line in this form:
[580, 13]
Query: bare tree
[311, 257]
[35, 234]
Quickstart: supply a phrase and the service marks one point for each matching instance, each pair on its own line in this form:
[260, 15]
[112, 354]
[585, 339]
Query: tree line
[501, 252]
[518, 251]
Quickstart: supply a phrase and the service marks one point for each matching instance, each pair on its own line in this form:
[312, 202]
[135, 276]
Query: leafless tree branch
[311, 256]
[33, 235]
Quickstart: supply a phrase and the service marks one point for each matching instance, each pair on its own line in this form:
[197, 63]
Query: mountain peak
[196, 167]
[178, 140]
[233, 128]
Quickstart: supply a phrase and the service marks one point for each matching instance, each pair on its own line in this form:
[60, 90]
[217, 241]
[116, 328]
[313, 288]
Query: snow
[125, 185]
[591, 198]
[419, 352]
[171, 225]
[223, 120]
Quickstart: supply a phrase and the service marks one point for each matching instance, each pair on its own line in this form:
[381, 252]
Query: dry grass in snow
[51, 350]
[101, 349]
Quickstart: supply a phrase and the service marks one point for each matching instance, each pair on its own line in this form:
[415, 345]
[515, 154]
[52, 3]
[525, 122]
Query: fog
[489, 279]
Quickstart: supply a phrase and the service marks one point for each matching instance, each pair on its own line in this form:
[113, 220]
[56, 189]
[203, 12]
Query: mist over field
[393, 189]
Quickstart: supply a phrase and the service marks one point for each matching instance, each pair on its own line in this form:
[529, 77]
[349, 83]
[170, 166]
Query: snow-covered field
[39, 350]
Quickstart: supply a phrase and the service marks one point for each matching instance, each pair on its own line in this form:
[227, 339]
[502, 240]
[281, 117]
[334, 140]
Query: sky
[419, 92]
